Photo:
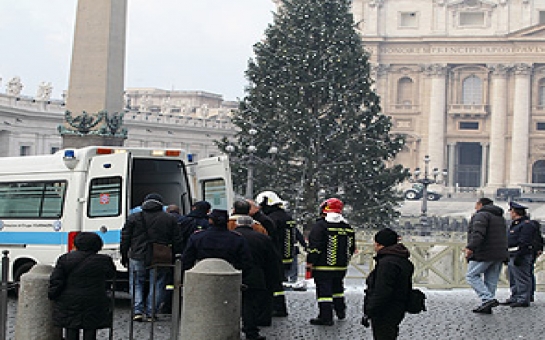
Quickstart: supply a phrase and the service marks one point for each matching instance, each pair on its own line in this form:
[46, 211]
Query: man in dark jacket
[141, 229]
[521, 256]
[256, 298]
[331, 244]
[218, 242]
[197, 219]
[485, 252]
[77, 287]
[388, 286]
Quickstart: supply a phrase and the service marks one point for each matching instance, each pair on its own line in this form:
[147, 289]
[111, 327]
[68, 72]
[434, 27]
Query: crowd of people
[260, 238]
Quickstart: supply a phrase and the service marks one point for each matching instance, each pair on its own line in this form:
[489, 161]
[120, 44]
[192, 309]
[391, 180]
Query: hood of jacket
[493, 209]
[397, 249]
[152, 205]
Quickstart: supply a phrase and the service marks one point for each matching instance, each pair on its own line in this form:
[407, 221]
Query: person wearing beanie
[485, 252]
[388, 286]
[151, 225]
[217, 242]
[196, 220]
[77, 287]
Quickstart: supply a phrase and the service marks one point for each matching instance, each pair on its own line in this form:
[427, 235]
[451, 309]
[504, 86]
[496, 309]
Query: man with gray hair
[264, 273]
[485, 252]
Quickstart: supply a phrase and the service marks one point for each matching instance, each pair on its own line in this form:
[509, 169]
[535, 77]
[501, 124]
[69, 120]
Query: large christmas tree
[310, 95]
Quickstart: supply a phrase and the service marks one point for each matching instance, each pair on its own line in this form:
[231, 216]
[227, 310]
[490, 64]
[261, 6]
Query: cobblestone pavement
[448, 317]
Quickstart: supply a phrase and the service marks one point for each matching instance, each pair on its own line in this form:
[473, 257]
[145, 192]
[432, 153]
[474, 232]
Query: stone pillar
[372, 18]
[484, 163]
[498, 127]
[521, 124]
[34, 310]
[211, 304]
[437, 115]
[379, 72]
[451, 164]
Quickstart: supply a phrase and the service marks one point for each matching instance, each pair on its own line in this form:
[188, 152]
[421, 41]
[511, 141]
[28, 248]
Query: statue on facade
[14, 87]
[44, 91]
[112, 125]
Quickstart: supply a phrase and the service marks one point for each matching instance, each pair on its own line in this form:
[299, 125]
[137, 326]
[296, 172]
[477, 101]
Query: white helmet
[269, 197]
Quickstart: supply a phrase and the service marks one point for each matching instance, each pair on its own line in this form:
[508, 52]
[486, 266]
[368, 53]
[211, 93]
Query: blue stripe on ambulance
[51, 237]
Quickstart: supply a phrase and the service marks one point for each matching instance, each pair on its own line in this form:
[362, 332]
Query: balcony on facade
[468, 110]
[404, 109]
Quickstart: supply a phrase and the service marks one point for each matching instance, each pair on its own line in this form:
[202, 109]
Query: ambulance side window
[215, 192]
[104, 197]
[42, 199]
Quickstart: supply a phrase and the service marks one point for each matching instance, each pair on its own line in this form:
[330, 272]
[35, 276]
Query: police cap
[515, 205]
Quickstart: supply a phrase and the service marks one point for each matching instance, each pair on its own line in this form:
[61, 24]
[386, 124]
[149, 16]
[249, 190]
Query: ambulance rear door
[213, 182]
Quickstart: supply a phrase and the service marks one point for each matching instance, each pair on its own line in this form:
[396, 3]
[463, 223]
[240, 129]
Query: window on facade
[469, 125]
[542, 17]
[472, 91]
[408, 19]
[405, 91]
[541, 93]
[540, 126]
[538, 172]
[32, 199]
[24, 150]
[472, 19]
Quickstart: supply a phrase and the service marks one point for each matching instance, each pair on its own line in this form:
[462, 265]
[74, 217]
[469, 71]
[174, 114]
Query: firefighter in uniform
[331, 245]
[271, 205]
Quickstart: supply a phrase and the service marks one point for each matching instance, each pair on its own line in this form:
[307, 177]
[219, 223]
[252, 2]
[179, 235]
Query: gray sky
[171, 44]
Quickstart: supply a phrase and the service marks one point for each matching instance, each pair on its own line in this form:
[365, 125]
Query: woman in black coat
[78, 288]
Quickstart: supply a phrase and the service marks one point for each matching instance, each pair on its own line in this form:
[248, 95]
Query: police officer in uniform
[331, 245]
[271, 205]
[520, 265]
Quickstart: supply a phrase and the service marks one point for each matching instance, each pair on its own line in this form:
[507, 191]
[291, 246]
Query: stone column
[498, 127]
[451, 164]
[484, 163]
[437, 118]
[521, 124]
[371, 20]
[379, 72]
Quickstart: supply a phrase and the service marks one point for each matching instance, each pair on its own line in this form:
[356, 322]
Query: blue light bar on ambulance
[70, 160]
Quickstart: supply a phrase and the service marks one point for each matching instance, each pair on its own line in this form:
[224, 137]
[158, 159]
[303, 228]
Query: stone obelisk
[95, 93]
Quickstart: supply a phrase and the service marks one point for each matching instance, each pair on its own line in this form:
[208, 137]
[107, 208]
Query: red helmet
[332, 205]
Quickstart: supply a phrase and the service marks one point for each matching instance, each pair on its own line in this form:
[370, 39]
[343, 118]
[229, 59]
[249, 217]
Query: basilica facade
[464, 81]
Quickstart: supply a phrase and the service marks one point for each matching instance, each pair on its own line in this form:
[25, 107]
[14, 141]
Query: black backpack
[537, 240]
[417, 302]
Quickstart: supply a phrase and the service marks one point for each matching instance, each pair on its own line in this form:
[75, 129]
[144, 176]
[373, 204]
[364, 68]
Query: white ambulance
[46, 200]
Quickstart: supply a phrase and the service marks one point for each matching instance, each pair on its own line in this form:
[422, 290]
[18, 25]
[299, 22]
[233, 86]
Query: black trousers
[252, 303]
[387, 327]
[330, 295]
[88, 334]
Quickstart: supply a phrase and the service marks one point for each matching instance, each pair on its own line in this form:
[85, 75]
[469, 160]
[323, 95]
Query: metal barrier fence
[4, 288]
[438, 264]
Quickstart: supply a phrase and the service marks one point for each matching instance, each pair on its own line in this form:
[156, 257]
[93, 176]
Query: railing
[468, 109]
[438, 265]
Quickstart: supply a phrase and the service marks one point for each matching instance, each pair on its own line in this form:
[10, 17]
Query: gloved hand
[517, 261]
[365, 321]
[125, 261]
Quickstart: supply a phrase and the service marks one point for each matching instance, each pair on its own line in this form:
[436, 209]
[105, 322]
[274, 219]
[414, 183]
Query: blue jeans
[137, 277]
[483, 277]
[520, 279]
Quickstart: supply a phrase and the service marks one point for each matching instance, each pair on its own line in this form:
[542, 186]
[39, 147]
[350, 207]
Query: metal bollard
[176, 298]
[34, 310]
[4, 296]
[211, 302]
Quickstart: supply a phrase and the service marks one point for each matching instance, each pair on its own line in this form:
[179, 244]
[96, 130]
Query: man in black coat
[218, 242]
[77, 287]
[388, 286]
[259, 280]
[485, 252]
[140, 230]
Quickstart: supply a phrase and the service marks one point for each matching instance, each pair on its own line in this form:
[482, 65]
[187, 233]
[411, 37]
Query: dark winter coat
[388, 285]
[161, 227]
[330, 248]
[521, 234]
[487, 236]
[264, 272]
[217, 242]
[189, 224]
[77, 287]
[285, 226]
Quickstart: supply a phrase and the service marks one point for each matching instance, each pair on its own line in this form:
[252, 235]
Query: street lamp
[251, 159]
[426, 180]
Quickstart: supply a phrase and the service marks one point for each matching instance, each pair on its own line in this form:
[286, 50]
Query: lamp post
[426, 180]
[251, 159]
